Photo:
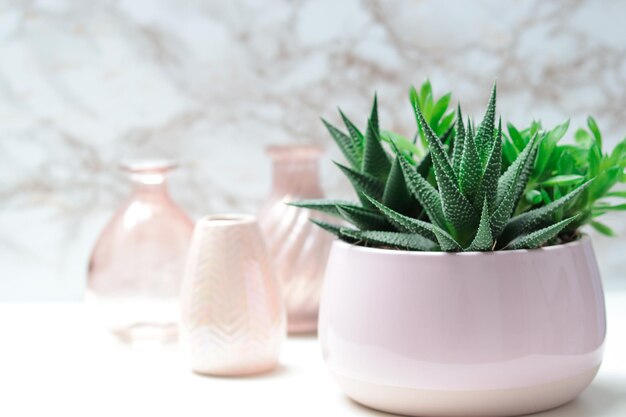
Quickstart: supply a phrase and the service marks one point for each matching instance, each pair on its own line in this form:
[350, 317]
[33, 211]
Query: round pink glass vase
[137, 265]
[298, 248]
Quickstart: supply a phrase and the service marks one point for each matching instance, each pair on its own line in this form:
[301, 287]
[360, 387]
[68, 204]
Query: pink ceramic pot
[471, 334]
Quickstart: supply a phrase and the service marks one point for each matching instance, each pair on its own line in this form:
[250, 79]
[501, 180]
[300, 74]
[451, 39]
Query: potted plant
[463, 286]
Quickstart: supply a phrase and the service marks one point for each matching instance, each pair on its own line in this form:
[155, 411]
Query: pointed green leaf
[396, 194]
[533, 219]
[547, 147]
[322, 205]
[510, 176]
[424, 166]
[563, 180]
[457, 153]
[618, 194]
[603, 228]
[489, 182]
[375, 158]
[458, 210]
[539, 237]
[593, 127]
[608, 207]
[402, 143]
[408, 241]
[483, 241]
[516, 138]
[350, 150]
[425, 193]
[511, 186]
[363, 219]
[441, 106]
[471, 170]
[446, 242]
[404, 223]
[485, 134]
[437, 150]
[363, 184]
[332, 228]
[355, 133]
[444, 124]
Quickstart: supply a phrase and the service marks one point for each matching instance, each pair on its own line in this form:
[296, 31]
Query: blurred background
[85, 85]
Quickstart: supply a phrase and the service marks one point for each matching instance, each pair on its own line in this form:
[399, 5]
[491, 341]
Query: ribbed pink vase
[137, 264]
[233, 321]
[298, 248]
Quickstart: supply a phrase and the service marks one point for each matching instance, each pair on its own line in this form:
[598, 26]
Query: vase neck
[149, 178]
[149, 184]
[295, 170]
[296, 176]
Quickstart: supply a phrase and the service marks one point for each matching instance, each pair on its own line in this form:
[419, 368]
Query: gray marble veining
[84, 85]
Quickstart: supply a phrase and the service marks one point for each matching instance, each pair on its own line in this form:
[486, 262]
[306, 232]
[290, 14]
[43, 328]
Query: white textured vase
[233, 322]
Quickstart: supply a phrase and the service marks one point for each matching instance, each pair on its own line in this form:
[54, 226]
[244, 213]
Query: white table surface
[54, 361]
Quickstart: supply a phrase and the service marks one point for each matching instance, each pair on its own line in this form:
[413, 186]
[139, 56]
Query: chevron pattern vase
[233, 322]
[298, 248]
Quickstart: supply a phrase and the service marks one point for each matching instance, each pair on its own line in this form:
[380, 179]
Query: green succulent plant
[469, 204]
[376, 173]
[562, 167]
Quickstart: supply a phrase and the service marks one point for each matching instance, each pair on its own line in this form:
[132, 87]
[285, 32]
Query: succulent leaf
[458, 210]
[410, 241]
[446, 242]
[396, 194]
[459, 139]
[470, 171]
[489, 182]
[404, 223]
[375, 158]
[511, 186]
[355, 133]
[362, 218]
[329, 227]
[323, 205]
[483, 241]
[348, 147]
[531, 220]
[363, 184]
[485, 132]
[425, 193]
[539, 237]
[509, 178]
[437, 150]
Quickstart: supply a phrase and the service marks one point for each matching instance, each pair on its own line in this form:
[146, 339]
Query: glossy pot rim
[583, 240]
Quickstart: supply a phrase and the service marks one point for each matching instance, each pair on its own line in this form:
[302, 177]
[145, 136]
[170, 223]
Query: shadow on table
[599, 400]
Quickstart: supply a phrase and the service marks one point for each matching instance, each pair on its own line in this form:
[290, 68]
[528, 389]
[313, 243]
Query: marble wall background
[85, 84]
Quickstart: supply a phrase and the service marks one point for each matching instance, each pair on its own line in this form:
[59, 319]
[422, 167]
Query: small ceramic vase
[233, 322]
[298, 248]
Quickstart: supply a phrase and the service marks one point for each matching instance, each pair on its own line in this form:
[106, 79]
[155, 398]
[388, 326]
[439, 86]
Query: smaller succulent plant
[562, 167]
[470, 203]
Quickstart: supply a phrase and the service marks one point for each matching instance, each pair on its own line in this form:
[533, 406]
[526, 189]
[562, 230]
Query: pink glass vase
[233, 321]
[137, 264]
[298, 248]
